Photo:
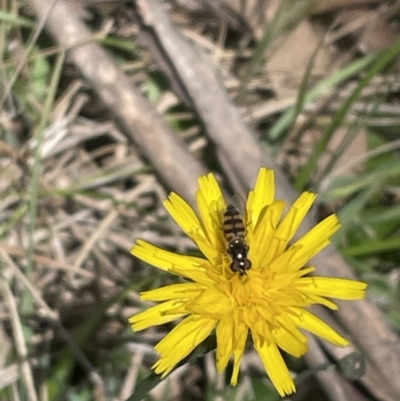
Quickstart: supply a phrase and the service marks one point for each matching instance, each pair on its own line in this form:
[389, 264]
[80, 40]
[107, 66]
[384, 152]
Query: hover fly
[235, 236]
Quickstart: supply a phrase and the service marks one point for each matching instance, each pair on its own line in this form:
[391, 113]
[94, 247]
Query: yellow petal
[154, 316]
[184, 215]
[224, 334]
[209, 187]
[313, 299]
[240, 332]
[304, 254]
[289, 338]
[291, 222]
[174, 291]
[187, 219]
[315, 240]
[283, 262]
[181, 341]
[212, 206]
[261, 236]
[338, 288]
[196, 275]
[275, 366]
[311, 323]
[169, 261]
[211, 302]
[209, 201]
[212, 221]
[262, 196]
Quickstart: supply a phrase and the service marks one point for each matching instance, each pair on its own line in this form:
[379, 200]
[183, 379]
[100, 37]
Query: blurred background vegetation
[317, 84]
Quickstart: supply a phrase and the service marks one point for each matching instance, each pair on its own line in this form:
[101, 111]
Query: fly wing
[221, 209]
[240, 206]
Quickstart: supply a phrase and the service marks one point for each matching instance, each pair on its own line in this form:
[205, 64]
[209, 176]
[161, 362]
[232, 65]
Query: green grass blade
[320, 89]
[15, 20]
[37, 167]
[373, 247]
[382, 215]
[382, 60]
[354, 207]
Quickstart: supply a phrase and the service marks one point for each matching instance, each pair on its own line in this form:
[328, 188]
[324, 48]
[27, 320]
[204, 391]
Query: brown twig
[160, 145]
[193, 73]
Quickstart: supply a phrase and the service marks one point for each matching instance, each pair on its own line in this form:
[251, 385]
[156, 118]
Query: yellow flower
[271, 300]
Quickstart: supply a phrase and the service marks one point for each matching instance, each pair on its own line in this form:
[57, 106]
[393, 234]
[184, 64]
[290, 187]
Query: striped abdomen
[233, 224]
[235, 232]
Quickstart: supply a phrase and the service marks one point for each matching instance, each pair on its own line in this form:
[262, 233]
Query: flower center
[248, 290]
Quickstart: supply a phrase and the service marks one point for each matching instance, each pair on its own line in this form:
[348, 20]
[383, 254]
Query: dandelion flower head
[270, 302]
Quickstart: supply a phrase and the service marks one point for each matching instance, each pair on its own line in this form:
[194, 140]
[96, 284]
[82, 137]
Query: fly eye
[235, 266]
